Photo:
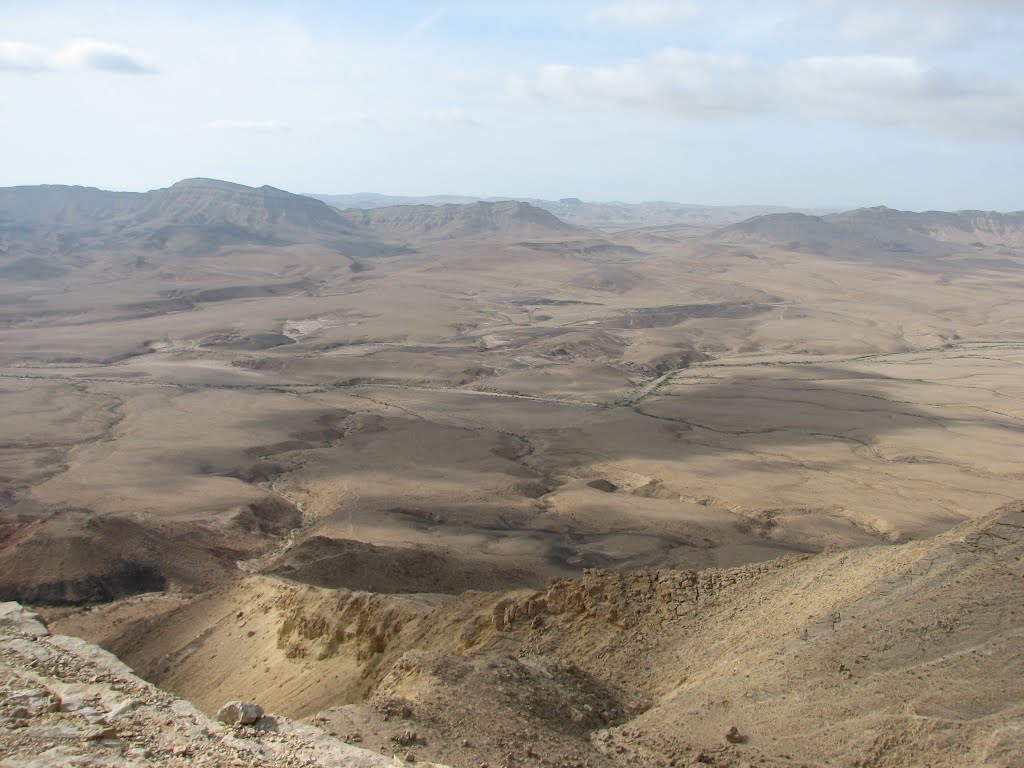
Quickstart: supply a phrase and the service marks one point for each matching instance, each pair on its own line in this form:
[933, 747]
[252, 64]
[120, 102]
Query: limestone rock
[240, 713]
[21, 621]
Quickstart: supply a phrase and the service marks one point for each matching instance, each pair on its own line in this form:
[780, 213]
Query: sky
[913, 104]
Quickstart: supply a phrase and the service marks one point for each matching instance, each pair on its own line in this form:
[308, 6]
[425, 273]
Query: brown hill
[883, 235]
[265, 213]
[75, 557]
[192, 217]
[55, 206]
[506, 219]
[967, 227]
[334, 563]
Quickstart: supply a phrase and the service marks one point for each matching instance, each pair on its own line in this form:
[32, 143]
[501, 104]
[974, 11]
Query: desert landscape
[466, 482]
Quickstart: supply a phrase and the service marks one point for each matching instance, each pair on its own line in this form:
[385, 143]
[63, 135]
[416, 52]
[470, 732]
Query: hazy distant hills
[194, 202]
[23, 210]
[202, 207]
[199, 216]
[49, 232]
[605, 215]
[367, 200]
[616, 216]
[436, 222]
[46, 230]
[882, 234]
[264, 211]
[966, 227]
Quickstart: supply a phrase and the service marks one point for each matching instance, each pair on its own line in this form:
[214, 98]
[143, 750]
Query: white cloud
[21, 57]
[98, 55]
[453, 117]
[79, 54]
[643, 12]
[865, 89]
[900, 30]
[1012, 6]
[252, 126]
[676, 81]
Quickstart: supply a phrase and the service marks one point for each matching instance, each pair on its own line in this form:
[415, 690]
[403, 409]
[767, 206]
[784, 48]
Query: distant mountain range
[214, 208]
[881, 234]
[199, 216]
[605, 215]
[46, 230]
[225, 211]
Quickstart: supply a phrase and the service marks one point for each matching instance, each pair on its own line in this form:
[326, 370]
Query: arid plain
[332, 459]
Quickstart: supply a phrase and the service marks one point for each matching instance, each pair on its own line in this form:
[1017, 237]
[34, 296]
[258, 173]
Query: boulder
[240, 713]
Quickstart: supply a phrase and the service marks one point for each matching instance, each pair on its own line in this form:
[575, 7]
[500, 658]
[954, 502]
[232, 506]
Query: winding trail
[963, 349]
[254, 564]
[297, 387]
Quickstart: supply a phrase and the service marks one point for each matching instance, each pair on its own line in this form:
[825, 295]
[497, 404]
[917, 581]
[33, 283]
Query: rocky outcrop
[629, 599]
[363, 623]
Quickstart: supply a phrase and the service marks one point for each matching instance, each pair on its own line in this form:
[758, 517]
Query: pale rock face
[20, 621]
[240, 713]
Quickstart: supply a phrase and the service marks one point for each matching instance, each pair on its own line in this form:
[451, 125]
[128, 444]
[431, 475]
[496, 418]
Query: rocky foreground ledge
[66, 702]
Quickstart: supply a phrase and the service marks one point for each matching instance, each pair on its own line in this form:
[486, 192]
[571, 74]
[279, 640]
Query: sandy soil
[248, 424]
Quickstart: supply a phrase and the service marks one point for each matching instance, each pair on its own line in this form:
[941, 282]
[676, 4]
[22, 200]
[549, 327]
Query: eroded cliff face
[630, 599]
